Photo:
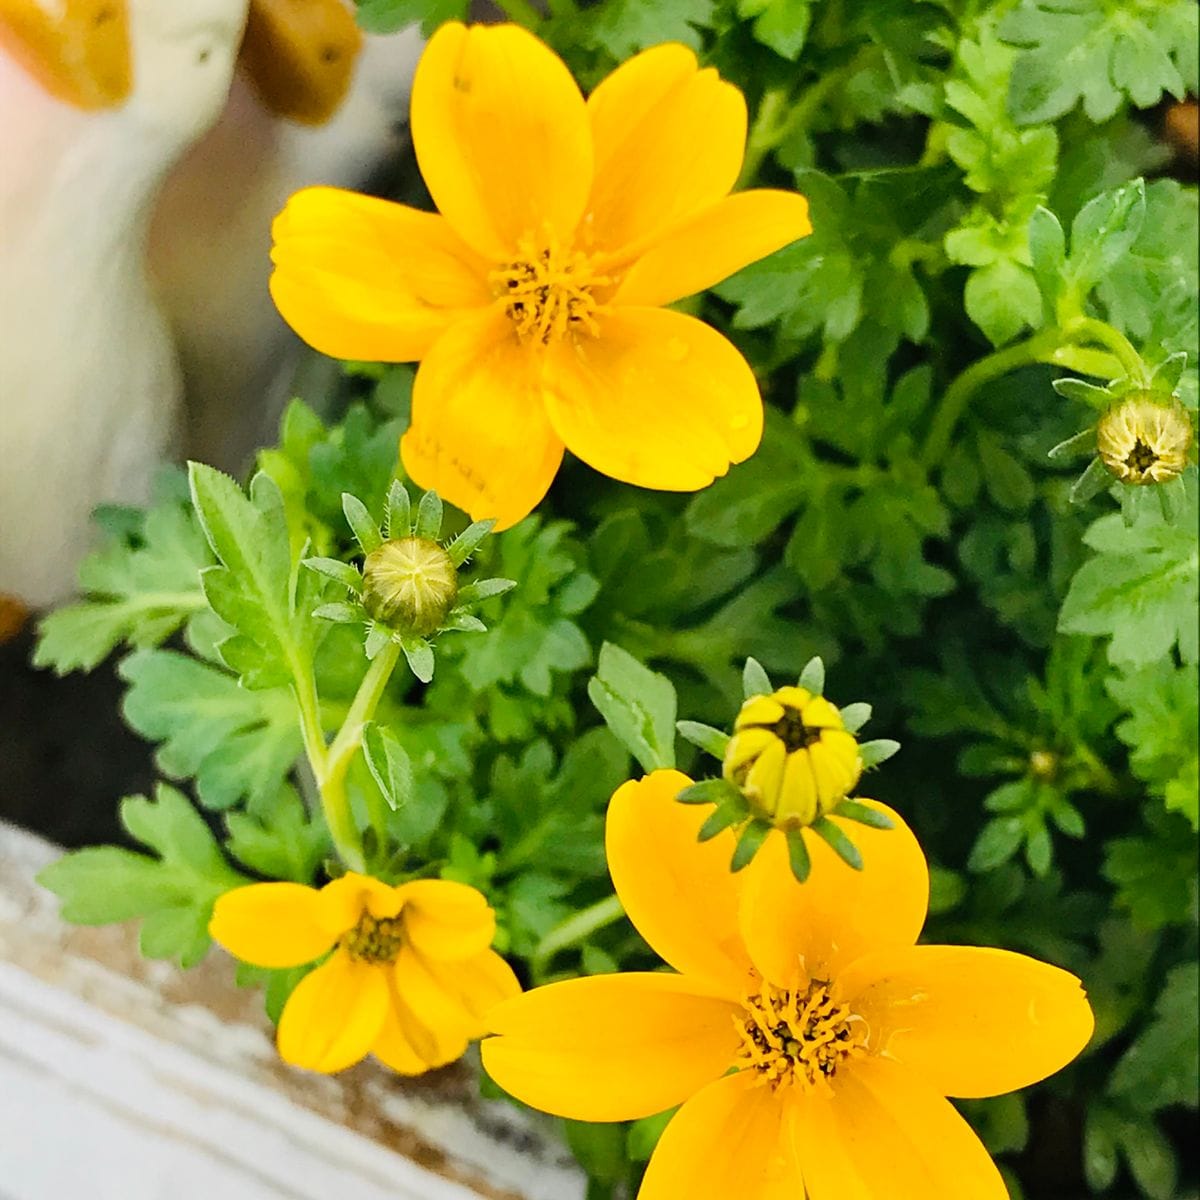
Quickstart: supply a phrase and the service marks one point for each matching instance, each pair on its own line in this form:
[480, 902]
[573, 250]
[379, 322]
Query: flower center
[791, 730]
[375, 940]
[1141, 458]
[548, 292]
[797, 1036]
[1144, 439]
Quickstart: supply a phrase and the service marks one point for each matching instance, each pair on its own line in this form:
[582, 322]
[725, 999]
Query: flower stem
[573, 930]
[1093, 330]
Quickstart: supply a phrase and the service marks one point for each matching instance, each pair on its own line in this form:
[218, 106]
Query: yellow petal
[727, 1141]
[80, 55]
[273, 924]
[435, 1044]
[713, 245]
[501, 135]
[455, 996]
[346, 899]
[971, 1021]
[362, 278]
[300, 56]
[669, 142]
[880, 1134]
[394, 1047]
[812, 930]
[447, 920]
[679, 893]
[610, 1047]
[334, 1016]
[479, 434]
[657, 399]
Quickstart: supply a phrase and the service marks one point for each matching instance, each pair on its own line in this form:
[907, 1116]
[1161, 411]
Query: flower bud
[1144, 439]
[791, 756]
[409, 584]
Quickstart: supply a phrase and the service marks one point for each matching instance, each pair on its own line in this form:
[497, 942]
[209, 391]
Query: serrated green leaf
[637, 704]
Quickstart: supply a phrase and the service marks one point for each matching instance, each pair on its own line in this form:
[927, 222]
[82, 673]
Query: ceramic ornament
[98, 100]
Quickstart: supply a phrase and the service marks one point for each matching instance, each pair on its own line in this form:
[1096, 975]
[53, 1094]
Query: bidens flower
[533, 298]
[411, 978]
[809, 1040]
[1145, 438]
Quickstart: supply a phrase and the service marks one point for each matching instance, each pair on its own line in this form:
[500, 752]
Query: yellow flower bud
[409, 584]
[1144, 439]
[791, 756]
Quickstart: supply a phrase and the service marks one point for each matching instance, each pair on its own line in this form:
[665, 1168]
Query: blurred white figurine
[98, 99]
[314, 102]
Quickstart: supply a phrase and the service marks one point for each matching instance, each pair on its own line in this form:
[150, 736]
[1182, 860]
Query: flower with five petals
[411, 978]
[534, 298]
[808, 1038]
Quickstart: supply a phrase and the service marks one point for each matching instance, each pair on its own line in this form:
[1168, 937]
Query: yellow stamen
[797, 1036]
[375, 940]
[549, 291]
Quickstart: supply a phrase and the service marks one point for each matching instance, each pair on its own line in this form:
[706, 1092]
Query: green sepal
[429, 517]
[749, 843]
[852, 810]
[461, 621]
[398, 514]
[419, 654]
[713, 791]
[468, 541]
[705, 737]
[361, 523]
[812, 678]
[1168, 372]
[340, 612]
[484, 589]
[798, 858]
[718, 821]
[838, 842]
[880, 750]
[1094, 480]
[389, 764]
[755, 681]
[1172, 499]
[1085, 393]
[338, 571]
[1076, 446]
[378, 636]
[855, 716]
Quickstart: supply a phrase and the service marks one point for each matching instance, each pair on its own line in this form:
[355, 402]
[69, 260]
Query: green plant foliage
[1003, 247]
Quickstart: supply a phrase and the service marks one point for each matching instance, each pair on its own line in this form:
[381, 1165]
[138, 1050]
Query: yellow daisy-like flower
[411, 978]
[810, 1041]
[533, 298]
[791, 756]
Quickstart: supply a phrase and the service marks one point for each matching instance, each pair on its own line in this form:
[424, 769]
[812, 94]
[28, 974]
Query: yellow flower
[791, 756]
[411, 978]
[810, 1041]
[533, 298]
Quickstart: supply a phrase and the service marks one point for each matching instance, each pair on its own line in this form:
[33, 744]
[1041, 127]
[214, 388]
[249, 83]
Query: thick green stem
[956, 396]
[574, 930]
[1090, 329]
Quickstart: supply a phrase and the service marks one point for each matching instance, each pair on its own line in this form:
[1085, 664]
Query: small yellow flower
[1144, 439]
[411, 978]
[534, 299]
[810, 1041]
[791, 756]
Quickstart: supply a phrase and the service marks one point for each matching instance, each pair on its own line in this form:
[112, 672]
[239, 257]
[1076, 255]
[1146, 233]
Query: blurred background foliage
[1035, 652]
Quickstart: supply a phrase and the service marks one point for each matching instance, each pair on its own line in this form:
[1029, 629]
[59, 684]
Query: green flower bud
[792, 757]
[409, 584]
[1144, 439]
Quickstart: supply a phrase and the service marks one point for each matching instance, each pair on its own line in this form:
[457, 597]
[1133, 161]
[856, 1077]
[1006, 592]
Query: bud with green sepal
[1144, 437]
[408, 589]
[791, 762]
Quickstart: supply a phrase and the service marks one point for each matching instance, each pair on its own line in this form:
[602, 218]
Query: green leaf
[277, 836]
[140, 587]
[999, 840]
[390, 16]
[236, 743]
[1103, 233]
[1047, 252]
[419, 655]
[711, 741]
[1158, 1069]
[361, 523]
[637, 704]
[429, 517]
[781, 25]
[389, 765]
[623, 27]
[1140, 588]
[338, 571]
[398, 514]
[1003, 299]
[173, 891]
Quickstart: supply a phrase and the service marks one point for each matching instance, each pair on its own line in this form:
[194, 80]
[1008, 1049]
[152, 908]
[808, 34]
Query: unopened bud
[409, 584]
[791, 756]
[1144, 439]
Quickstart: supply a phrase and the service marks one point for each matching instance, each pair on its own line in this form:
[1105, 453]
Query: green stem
[1093, 330]
[964, 386]
[1097, 363]
[574, 930]
[520, 11]
[362, 708]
